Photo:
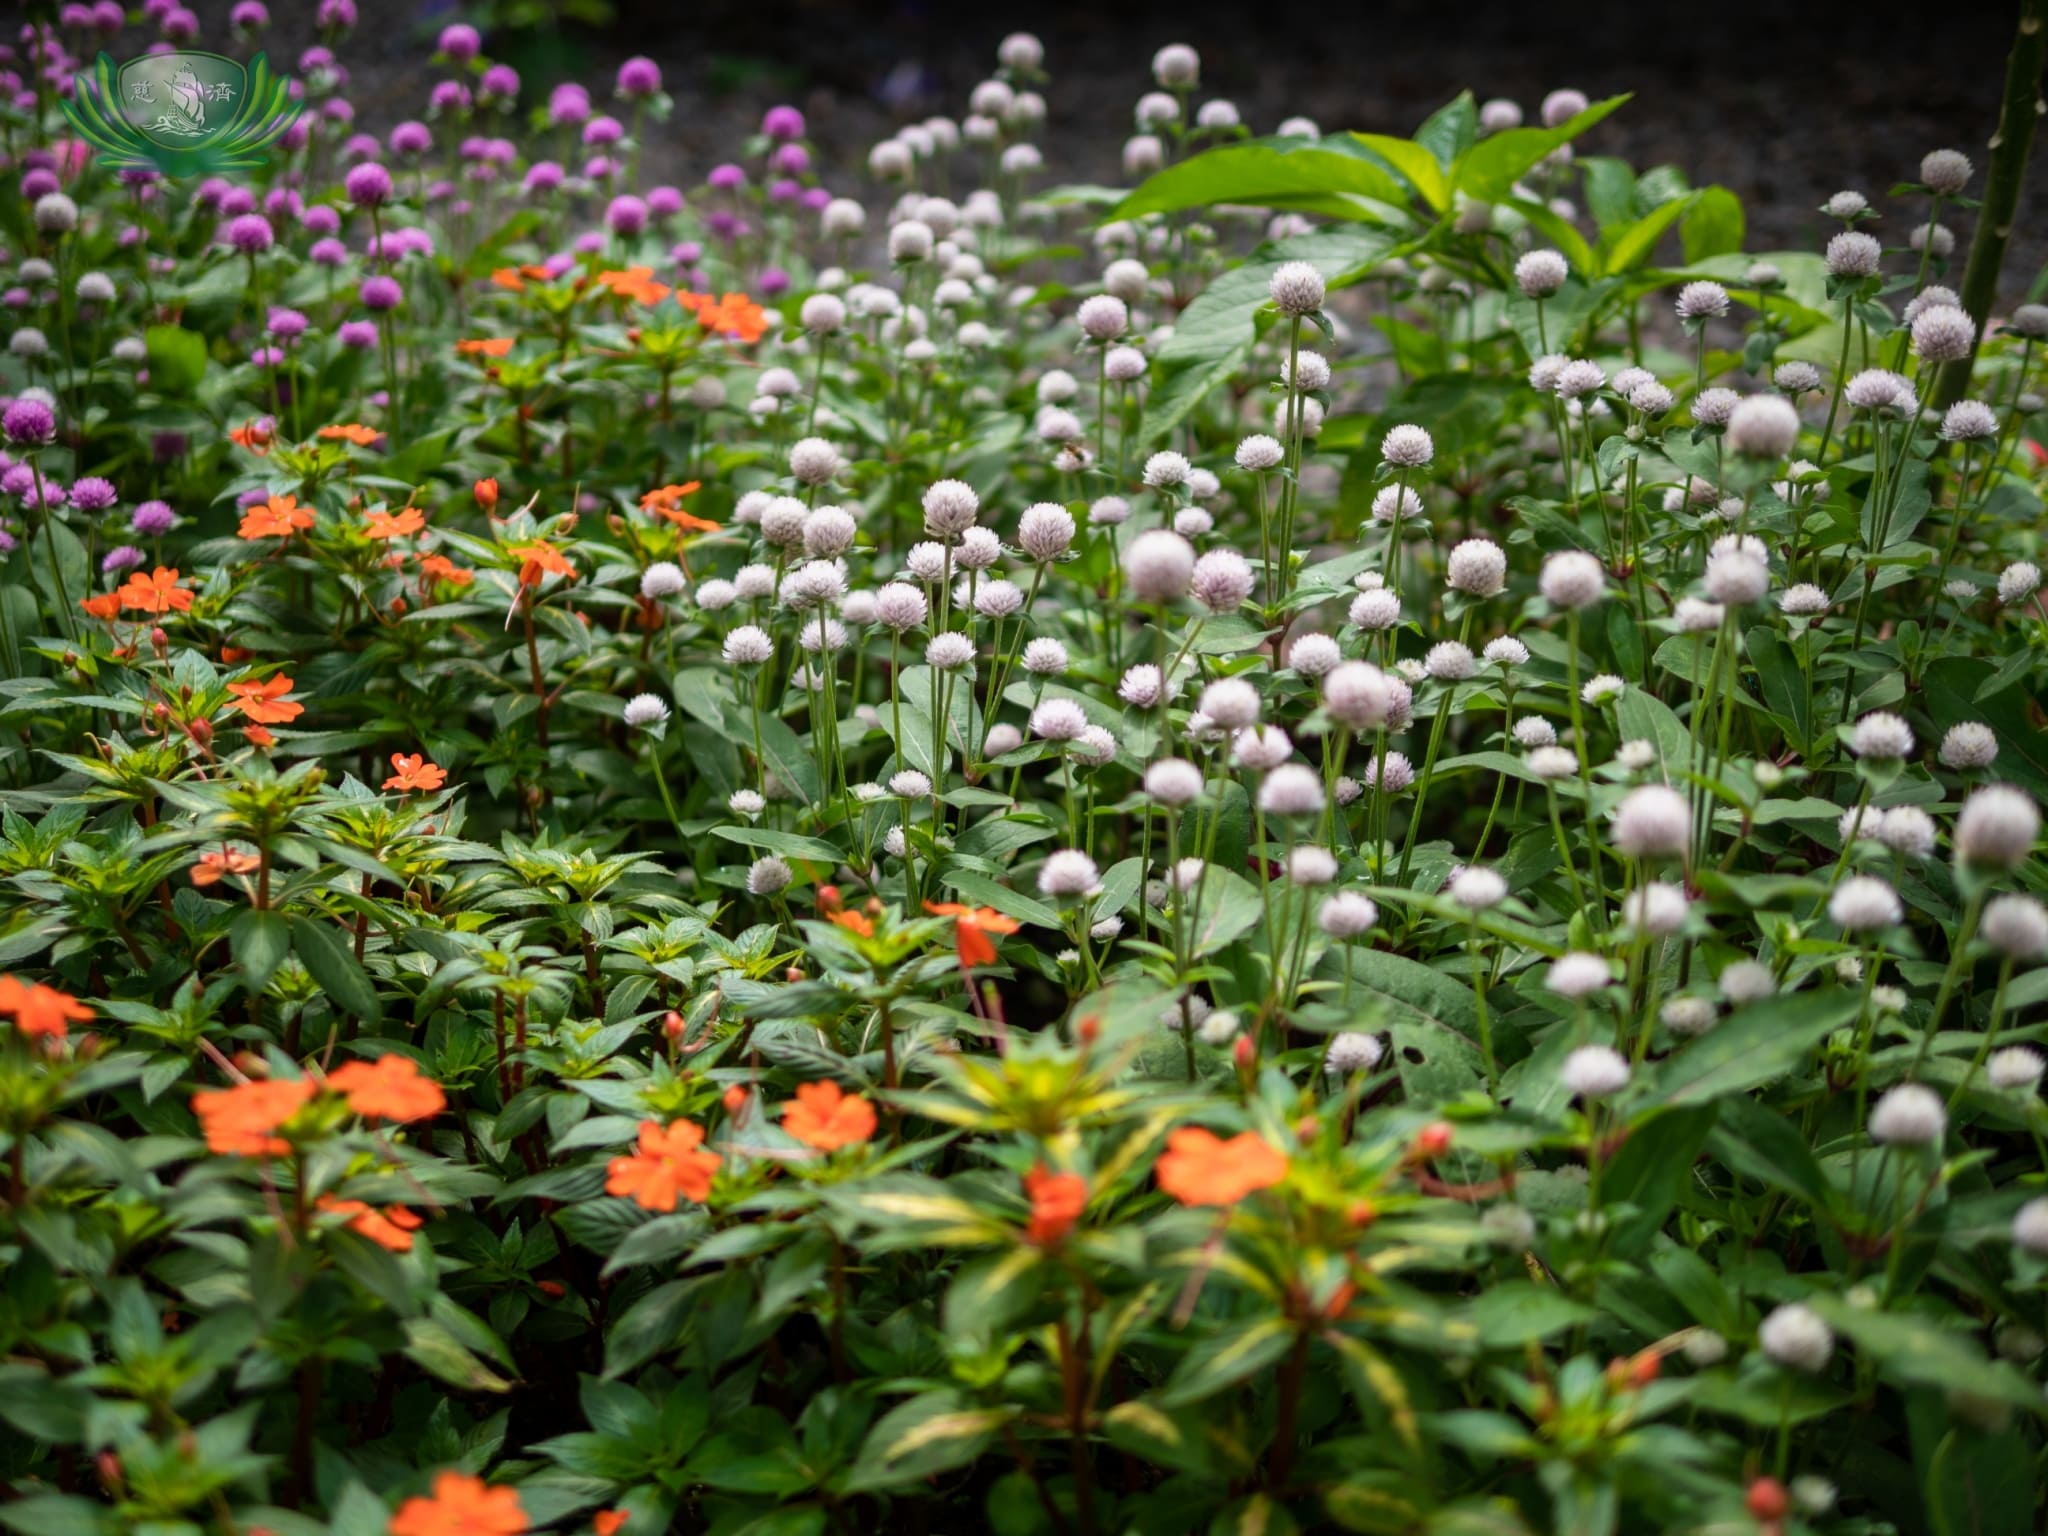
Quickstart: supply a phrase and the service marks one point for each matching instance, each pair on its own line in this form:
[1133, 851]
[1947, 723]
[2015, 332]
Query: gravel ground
[1783, 103]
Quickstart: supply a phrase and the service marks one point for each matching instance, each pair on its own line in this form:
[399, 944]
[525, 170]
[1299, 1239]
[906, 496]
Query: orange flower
[265, 702]
[41, 1010]
[351, 432]
[486, 493]
[1200, 1168]
[488, 346]
[733, 315]
[541, 559]
[1057, 1200]
[823, 1117]
[220, 862]
[390, 1088]
[395, 525]
[105, 606]
[663, 498]
[461, 1506]
[853, 922]
[252, 435]
[259, 737]
[243, 1120]
[608, 1522]
[158, 592]
[441, 568]
[415, 772]
[668, 1164]
[278, 518]
[390, 1226]
[635, 283]
[971, 929]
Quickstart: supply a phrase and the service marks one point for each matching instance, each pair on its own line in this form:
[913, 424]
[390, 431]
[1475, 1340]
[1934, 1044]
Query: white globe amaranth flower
[1058, 720]
[909, 784]
[747, 646]
[1158, 565]
[1968, 746]
[950, 508]
[1141, 686]
[1747, 981]
[746, 802]
[1045, 532]
[645, 709]
[1407, 447]
[1347, 914]
[1506, 652]
[1561, 106]
[1702, 300]
[1391, 775]
[1657, 909]
[1177, 67]
[813, 461]
[1604, 688]
[1594, 1072]
[1217, 114]
[1222, 579]
[1477, 888]
[1945, 172]
[1292, 789]
[2018, 582]
[1166, 470]
[1864, 904]
[1735, 578]
[1313, 655]
[1296, 288]
[829, 532]
[2015, 1069]
[949, 651]
[1378, 609]
[1969, 421]
[1259, 452]
[1794, 1336]
[55, 214]
[768, 875]
[1232, 702]
[1694, 617]
[1103, 317]
[1853, 254]
[1714, 407]
[662, 579]
[910, 242]
[1883, 736]
[1688, 1016]
[2016, 925]
[1450, 661]
[1173, 781]
[1803, 601]
[1908, 831]
[822, 314]
[1358, 694]
[1763, 427]
[1910, 1115]
[1539, 274]
[1308, 373]
[1532, 731]
[1552, 764]
[1796, 378]
[2030, 1227]
[1000, 739]
[1260, 748]
[1311, 864]
[1572, 579]
[1389, 497]
[1579, 377]
[1943, 335]
[1997, 827]
[1068, 873]
[1938, 239]
[1577, 974]
[1652, 821]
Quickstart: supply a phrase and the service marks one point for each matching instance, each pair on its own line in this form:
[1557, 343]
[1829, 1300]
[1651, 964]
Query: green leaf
[1913, 1348]
[1327, 176]
[933, 1432]
[1493, 165]
[1713, 225]
[979, 890]
[430, 1345]
[259, 942]
[177, 359]
[1635, 244]
[336, 969]
[1521, 1312]
[1414, 163]
[791, 845]
[991, 1293]
[1758, 1043]
[1226, 1358]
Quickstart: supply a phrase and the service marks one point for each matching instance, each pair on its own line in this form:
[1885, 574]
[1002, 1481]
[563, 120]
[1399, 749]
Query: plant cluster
[1342, 840]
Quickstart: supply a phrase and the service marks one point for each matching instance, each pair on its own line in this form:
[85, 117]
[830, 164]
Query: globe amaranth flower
[1539, 274]
[1158, 565]
[1296, 288]
[1943, 335]
[1702, 300]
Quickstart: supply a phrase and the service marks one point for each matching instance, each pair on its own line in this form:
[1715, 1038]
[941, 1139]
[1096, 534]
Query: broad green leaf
[1493, 165]
[332, 964]
[1759, 1042]
[1324, 176]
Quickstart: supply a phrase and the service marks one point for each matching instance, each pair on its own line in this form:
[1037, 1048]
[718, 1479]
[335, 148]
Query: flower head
[1200, 1168]
[825, 1118]
[668, 1166]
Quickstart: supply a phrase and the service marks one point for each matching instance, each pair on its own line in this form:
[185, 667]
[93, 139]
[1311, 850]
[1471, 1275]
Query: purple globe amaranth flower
[726, 177]
[283, 203]
[287, 324]
[590, 242]
[816, 199]
[784, 191]
[109, 17]
[411, 138]
[335, 14]
[499, 84]
[267, 357]
[38, 183]
[122, 557]
[599, 168]
[179, 25]
[639, 78]
[368, 185]
[358, 333]
[790, 159]
[236, 201]
[686, 253]
[626, 215]
[320, 220]
[382, 294]
[568, 103]
[336, 109]
[774, 282]
[249, 16]
[461, 42]
[449, 97]
[664, 202]
[17, 298]
[29, 424]
[250, 234]
[152, 520]
[255, 497]
[93, 494]
[725, 224]
[328, 253]
[601, 130]
[543, 176]
[297, 136]
[783, 122]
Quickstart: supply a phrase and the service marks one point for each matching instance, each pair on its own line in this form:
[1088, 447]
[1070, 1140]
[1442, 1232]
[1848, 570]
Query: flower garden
[1339, 839]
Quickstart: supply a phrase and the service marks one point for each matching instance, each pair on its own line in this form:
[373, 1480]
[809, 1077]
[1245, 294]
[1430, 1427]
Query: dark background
[1784, 103]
